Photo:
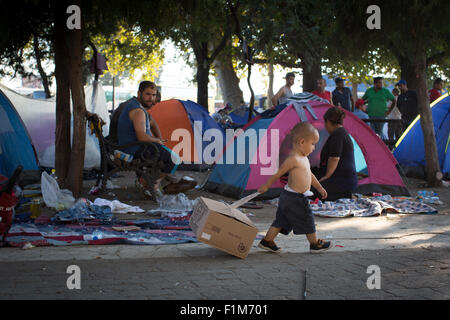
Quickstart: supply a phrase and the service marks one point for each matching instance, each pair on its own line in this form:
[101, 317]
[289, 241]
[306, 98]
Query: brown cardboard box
[223, 227]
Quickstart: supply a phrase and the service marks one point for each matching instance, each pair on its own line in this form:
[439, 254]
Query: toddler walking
[294, 213]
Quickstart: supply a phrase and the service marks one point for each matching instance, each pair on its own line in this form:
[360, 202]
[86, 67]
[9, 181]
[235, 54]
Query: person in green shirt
[377, 98]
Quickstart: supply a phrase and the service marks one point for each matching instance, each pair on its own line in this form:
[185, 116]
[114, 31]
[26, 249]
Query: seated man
[134, 124]
[360, 109]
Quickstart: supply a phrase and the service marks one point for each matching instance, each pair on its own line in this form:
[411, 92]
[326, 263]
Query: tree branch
[434, 58]
[221, 45]
[281, 63]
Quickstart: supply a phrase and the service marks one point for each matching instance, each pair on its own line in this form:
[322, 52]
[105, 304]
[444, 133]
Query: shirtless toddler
[294, 213]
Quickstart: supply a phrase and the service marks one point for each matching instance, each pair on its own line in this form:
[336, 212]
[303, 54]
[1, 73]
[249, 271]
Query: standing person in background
[407, 104]
[158, 97]
[321, 92]
[395, 129]
[285, 92]
[342, 96]
[377, 98]
[436, 91]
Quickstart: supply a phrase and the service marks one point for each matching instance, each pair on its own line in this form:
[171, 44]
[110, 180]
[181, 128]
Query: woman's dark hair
[334, 115]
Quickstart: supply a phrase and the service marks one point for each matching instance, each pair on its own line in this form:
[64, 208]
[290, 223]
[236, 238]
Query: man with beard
[134, 124]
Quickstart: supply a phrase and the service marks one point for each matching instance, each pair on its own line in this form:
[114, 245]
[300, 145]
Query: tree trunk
[113, 92]
[228, 80]
[62, 134]
[252, 97]
[270, 89]
[311, 73]
[434, 175]
[408, 73]
[44, 76]
[355, 91]
[202, 83]
[75, 176]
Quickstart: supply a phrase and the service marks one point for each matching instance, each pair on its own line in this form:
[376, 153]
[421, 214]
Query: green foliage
[405, 27]
[198, 24]
[19, 20]
[361, 69]
[129, 50]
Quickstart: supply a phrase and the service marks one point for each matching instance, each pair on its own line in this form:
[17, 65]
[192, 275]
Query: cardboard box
[225, 228]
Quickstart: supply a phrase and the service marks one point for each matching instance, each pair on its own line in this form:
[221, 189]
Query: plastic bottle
[97, 235]
[123, 156]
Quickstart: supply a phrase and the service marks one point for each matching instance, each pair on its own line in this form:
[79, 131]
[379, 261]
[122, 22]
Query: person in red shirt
[321, 92]
[436, 92]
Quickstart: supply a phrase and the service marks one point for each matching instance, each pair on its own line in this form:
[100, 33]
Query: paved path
[422, 273]
[412, 251]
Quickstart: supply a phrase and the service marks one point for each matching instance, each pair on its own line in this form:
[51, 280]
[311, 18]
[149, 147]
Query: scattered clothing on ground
[367, 207]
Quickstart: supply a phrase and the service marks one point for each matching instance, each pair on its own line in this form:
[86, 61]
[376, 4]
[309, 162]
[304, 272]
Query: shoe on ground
[320, 246]
[271, 247]
[182, 186]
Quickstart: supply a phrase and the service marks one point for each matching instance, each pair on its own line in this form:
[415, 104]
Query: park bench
[110, 164]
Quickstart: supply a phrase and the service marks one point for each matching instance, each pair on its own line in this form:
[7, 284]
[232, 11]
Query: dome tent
[16, 147]
[39, 117]
[171, 115]
[410, 149]
[240, 178]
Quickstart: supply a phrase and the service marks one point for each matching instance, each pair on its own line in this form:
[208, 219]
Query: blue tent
[410, 151]
[174, 115]
[15, 143]
[241, 116]
[197, 113]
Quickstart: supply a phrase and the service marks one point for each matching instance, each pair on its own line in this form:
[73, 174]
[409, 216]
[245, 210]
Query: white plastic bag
[53, 196]
[117, 206]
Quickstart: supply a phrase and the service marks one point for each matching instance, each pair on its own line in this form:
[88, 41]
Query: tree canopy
[320, 37]
[129, 50]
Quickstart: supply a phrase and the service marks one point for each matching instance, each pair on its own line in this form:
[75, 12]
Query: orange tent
[171, 115]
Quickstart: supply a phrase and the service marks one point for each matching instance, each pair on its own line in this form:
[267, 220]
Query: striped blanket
[367, 207]
[151, 232]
